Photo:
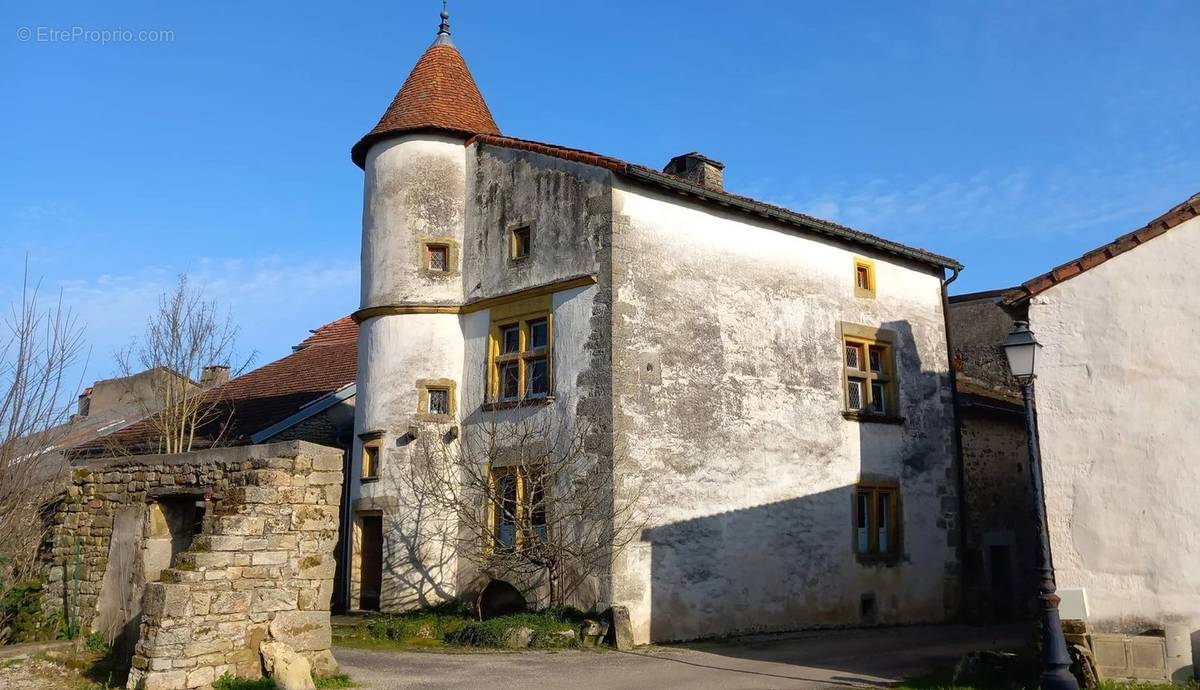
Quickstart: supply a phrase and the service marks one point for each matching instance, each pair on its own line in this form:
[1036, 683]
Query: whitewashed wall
[1116, 395]
[737, 447]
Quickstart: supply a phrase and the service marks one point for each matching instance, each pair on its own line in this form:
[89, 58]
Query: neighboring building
[1116, 376]
[772, 391]
[307, 395]
[999, 534]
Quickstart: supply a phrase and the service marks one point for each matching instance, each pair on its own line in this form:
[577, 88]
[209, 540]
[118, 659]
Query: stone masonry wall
[261, 566]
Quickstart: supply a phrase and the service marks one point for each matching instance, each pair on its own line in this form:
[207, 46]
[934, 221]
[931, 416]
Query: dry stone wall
[260, 568]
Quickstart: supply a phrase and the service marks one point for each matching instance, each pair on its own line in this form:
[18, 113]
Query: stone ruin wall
[260, 567]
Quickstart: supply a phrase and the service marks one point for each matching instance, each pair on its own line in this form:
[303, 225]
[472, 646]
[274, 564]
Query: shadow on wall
[813, 560]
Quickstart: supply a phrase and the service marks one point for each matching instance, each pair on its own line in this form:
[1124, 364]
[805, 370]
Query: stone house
[1115, 376]
[771, 392]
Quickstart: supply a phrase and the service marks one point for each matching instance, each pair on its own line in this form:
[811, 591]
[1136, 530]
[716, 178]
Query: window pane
[863, 276]
[539, 332]
[863, 532]
[370, 462]
[510, 339]
[510, 376]
[854, 394]
[506, 510]
[885, 503]
[854, 356]
[438, 258]
[878, 398]
[537, 508]
[537, 383]
[439, 401]
[876, 357]
[520, 242]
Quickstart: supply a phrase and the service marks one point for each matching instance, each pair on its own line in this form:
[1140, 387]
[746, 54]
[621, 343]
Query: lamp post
[1021, 349]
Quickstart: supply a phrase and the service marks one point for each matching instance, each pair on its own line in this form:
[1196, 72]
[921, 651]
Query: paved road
[851, 658]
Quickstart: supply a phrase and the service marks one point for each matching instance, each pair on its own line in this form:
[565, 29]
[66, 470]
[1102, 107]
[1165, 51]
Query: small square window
[439, 401]
[370, 458]
[864, 278]
[439, 258]
[539, 332]
[510, 339]
[521, 242]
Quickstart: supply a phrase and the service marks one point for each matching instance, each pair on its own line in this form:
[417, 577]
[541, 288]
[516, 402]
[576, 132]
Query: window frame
[523, 525]
[867, 340]
[522, 314]
[875, 489]
[424, 386]
[425, 247]
[868, 292]
[514, 242]
[371, 449]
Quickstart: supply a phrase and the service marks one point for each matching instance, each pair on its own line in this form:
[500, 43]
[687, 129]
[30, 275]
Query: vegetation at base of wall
[96, 643]
[229, 682]
[454, 624]
[549, 631]
[21, 616]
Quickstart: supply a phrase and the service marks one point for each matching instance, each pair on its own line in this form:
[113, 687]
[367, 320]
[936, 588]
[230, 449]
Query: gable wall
[729, 430]
[1116, 390]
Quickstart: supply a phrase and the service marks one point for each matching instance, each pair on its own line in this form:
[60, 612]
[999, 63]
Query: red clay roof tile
[440, 93]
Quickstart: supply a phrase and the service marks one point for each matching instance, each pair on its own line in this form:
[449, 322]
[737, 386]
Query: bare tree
[527, 495]
[39, 346]
[186, 334]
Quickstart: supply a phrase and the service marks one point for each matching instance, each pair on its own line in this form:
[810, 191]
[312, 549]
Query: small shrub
[96, 643]
[21, 613]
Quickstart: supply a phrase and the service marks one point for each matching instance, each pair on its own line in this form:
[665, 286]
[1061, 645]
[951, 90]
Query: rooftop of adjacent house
[441, 95]
[322, 365]
[1175, 217]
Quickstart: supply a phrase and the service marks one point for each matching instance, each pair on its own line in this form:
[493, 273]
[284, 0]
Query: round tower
[410, 339]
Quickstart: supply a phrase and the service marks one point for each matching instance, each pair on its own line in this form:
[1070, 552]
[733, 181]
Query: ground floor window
[876, 520]
[518, 506]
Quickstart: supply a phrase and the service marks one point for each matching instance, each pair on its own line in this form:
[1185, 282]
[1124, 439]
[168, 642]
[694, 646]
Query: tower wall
[414, 196]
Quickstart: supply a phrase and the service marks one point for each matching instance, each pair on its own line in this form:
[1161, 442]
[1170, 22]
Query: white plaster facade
[1117, 380]
[708, 342]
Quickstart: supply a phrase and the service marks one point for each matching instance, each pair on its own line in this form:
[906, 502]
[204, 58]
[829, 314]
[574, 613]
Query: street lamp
[1021, 349]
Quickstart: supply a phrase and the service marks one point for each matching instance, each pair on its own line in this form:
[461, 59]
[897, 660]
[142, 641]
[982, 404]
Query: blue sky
[1011, 136]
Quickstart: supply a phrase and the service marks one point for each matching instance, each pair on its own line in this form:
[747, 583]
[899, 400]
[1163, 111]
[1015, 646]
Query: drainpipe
[958, 452]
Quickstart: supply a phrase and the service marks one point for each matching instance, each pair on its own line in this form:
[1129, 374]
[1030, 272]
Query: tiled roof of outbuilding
[323, 363]
[1176, 216]
[439, 94]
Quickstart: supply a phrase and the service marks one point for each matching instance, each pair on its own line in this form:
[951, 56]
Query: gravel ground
[852, 658]
[36, 674]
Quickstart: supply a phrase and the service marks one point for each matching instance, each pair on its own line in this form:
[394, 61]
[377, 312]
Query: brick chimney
[698, 168]
[214, 375]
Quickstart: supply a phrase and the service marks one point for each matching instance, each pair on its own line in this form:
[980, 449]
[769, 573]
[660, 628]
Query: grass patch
[334, 682]
[452, 625]
[228, 682]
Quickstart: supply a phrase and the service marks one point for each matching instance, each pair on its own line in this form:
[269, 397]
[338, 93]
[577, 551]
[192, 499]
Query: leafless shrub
[183, 336]
[39, 346]
[527, 496]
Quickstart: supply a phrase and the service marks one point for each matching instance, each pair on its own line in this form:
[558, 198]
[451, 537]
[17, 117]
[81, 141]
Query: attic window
[864, 278]
[521, 242]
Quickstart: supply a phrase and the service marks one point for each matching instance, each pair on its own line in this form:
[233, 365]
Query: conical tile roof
[439, 94]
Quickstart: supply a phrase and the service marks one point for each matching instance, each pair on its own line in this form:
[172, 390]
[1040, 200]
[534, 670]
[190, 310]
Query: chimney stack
[214, 375]
[699, 169]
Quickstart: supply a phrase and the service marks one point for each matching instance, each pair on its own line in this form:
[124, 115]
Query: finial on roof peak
[443, 34]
